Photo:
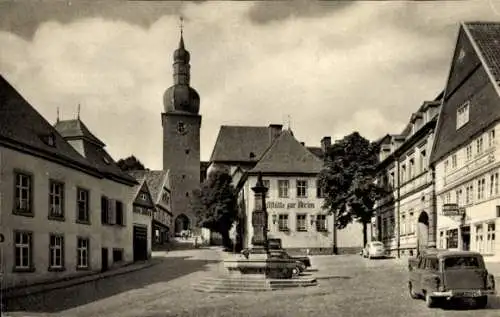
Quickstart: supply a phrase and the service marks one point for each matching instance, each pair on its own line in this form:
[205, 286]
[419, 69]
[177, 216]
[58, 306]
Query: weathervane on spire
[289, 122]
[57, 114]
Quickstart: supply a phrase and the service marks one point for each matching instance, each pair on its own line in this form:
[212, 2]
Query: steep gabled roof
[23, 128]
[156, 181]
[287, 155]
[476, 60]
[240, 144]
[486, 35]
[141, 186]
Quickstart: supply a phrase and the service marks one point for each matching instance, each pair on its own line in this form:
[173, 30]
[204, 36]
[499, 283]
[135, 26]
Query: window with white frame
[82, 251]
[283, 222]
[490, 238]
[469, 194]
[301, 188]
[494, 184]
[283, 185]
[403, 173]
[301, 222]
[469, 152]
[422, 161]
[321, 223]
[463, 115]
[479, 145]
[403, 225]
[479, 238]
[411, 168]
[267, 184]
[56, 248]
[447, 198]
[481, 183]
[491, 138]
[23, 191]
[56, 199]
[23, 245]
[82, 196]
[411, 220]
[454, 161]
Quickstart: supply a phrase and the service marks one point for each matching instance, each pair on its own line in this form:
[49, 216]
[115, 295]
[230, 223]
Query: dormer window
[106, 160]
[252, 155]
[49, 139]
[463, 114]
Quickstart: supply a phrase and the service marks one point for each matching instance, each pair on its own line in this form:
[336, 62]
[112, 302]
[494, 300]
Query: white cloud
[360, 68]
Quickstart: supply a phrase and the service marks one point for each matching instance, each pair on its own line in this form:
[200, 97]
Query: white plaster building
[64, 207]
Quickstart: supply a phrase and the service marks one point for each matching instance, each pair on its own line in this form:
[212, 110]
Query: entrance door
[140, 243]
[104, 259]
[182, 224]
[465, 238]
[423, 231]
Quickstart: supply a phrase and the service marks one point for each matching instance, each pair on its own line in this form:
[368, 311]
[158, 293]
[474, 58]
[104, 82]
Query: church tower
[181, 139]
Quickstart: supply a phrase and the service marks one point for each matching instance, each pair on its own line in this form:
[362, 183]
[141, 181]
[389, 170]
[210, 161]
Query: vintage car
[305, 262]
[373, 249]
[439, 275]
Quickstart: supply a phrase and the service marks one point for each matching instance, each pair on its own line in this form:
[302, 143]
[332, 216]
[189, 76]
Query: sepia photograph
[287, 158]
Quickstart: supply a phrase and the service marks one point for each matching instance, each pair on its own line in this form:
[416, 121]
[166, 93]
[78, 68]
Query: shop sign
[290, 205]
[450, 210]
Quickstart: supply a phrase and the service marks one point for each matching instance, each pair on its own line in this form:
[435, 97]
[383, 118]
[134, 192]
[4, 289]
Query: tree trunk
[365, 233]
[226, 240]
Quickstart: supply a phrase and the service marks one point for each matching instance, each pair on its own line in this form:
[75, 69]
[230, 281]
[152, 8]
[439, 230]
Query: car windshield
[377, 244]
[458, 262]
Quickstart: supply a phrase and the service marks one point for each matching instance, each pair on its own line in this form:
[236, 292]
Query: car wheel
[430, 301]
[412, 291]
[481, 302]
[295, 272]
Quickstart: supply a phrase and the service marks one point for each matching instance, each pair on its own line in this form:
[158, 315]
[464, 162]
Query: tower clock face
[181, 127]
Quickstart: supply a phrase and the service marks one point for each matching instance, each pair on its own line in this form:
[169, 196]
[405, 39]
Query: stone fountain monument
[256, 269]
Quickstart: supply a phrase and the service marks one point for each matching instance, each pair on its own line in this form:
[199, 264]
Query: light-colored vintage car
[373, 249]
[439, 275]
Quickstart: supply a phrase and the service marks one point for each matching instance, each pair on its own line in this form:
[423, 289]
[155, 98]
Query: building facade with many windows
[466, 151]
[294, 202]
[405, 216]
[63, 201]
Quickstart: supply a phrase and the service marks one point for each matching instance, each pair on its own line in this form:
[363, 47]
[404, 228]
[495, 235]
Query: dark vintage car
[280, 253]
[439, 275]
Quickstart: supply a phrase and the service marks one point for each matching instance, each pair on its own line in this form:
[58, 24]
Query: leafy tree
[130, 163]
[215, 205]
[348, 181]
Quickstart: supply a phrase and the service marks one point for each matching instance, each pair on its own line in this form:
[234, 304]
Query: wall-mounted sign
[289, 205]
[450, 210]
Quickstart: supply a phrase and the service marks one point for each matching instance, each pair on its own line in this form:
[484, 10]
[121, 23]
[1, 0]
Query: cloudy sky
[333, 67]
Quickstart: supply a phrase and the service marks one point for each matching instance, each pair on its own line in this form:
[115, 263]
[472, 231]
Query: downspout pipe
[398, 196]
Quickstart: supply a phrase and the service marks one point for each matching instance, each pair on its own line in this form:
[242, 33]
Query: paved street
[349, 286]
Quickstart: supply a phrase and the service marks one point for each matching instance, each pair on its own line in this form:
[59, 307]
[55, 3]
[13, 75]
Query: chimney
[326, 142]
[274, 131]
